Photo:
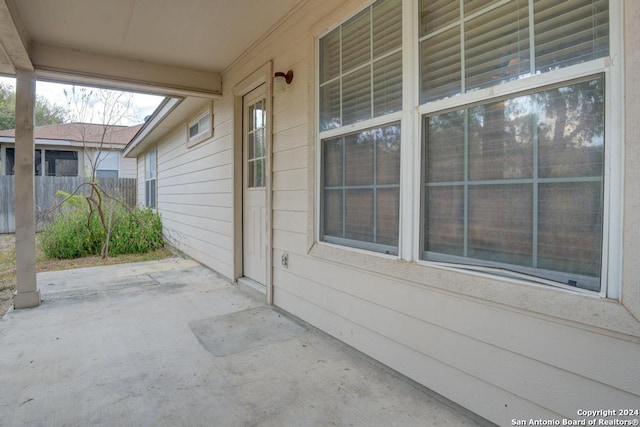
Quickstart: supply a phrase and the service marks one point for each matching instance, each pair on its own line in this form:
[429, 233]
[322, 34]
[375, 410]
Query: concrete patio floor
[170, 343]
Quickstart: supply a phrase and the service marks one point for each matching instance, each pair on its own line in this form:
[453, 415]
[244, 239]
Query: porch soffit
[161, 46]
[13, 41]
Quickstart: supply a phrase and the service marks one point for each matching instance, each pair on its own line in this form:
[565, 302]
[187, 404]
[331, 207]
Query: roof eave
[140, 141]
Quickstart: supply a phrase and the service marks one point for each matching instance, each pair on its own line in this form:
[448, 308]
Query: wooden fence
[124, 189]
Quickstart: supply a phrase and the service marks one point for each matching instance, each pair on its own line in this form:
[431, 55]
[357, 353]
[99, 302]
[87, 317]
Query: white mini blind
[361, 67]
[570, 32]
[491, 42]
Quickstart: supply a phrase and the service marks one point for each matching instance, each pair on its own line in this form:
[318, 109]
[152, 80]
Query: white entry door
[254, 215]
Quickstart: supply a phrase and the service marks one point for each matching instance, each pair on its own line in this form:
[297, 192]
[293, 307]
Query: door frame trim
[262, 75]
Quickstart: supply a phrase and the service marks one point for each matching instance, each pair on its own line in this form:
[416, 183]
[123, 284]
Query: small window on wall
[107, 164]
[150, 174]
[199, 129]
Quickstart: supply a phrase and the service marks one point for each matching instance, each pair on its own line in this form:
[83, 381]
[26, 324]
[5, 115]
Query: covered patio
[170, 343]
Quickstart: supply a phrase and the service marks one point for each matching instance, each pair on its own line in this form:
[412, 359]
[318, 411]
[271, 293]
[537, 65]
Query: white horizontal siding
[128, 167]
[496, 360]
[195, 196]
[481, 397]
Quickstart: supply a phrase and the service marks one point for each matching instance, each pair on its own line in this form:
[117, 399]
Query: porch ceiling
[102, 39]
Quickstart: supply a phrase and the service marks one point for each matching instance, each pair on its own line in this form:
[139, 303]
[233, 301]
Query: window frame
[40, 153]
[98, 161]
[611, 265]
[203, 134]
[411, 174]
[148, 179]
[396, 117]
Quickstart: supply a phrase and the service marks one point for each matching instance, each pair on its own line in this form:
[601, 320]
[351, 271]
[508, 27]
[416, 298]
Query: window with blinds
[361, 67]
[514, 183]
[360, 78]
[477, 43]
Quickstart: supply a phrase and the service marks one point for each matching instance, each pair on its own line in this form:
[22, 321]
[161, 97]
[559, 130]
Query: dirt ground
[7, 271]
[8, 265]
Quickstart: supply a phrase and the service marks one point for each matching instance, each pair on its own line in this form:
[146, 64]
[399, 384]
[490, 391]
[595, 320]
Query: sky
[142, 105]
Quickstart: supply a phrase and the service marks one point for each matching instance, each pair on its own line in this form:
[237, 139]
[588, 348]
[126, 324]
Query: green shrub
[72, 234]
[134, 232]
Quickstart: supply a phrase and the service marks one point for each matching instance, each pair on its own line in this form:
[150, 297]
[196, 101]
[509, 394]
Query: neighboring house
[74, 149]
[441, 190]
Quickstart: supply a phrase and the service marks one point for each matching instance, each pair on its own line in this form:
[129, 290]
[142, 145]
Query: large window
[54, 162]
[150, 175]
[513, 129]
[361, 83]
[516, 182]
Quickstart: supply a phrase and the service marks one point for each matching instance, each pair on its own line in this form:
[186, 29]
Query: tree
[7, 107]
[46, 113]
[107, 108]
[110, 108]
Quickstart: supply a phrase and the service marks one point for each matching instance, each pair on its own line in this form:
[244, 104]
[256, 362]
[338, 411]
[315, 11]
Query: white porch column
[27, 293]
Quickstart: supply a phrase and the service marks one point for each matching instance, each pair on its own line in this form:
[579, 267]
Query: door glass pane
[256, 145]
[251, 145]
[260, 143]
[259, 175]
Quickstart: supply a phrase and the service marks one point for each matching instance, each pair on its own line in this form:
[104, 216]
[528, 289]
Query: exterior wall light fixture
[281, 80]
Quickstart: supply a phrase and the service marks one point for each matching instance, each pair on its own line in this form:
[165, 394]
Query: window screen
[361, 183]
[517, 183]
